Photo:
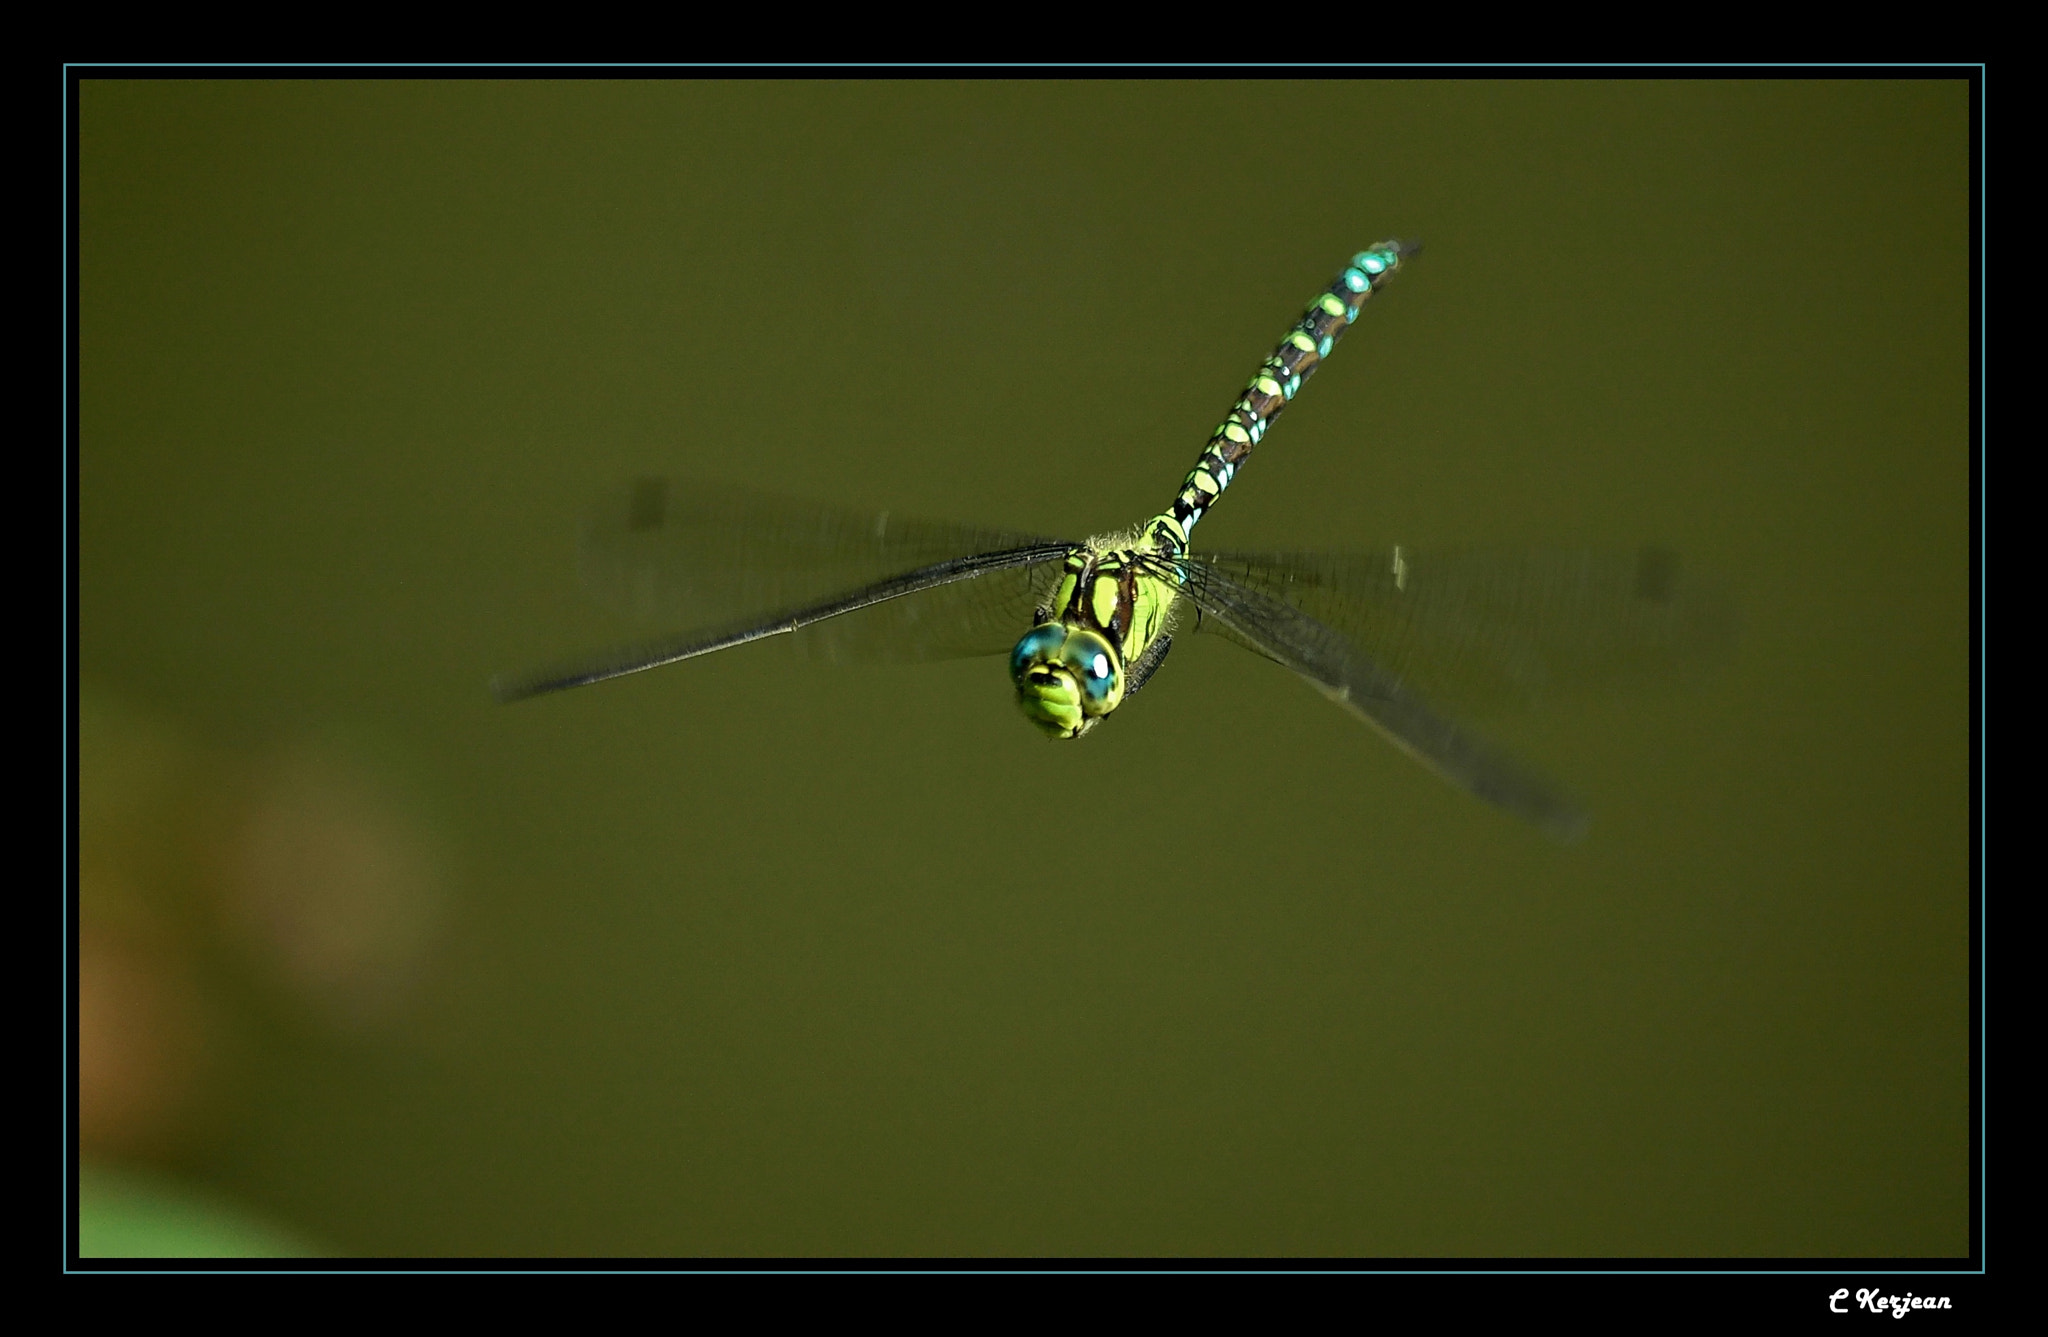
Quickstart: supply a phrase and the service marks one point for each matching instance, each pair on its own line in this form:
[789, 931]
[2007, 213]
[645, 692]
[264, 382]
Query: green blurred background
[760, 956]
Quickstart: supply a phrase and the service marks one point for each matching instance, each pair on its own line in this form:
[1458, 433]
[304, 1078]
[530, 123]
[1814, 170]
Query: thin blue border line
[66, 1135]
[1978, 66]
[1983, 1082]
[1190, 1270]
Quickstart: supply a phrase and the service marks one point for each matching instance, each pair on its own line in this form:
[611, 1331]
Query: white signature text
[1898, 1305]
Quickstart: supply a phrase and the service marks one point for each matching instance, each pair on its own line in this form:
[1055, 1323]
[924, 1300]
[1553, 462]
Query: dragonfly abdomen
[1276, 382]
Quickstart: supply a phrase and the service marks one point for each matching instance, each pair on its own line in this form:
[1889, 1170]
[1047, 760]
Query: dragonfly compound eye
[1066, 680]
[1095, 665]
[1041, 644]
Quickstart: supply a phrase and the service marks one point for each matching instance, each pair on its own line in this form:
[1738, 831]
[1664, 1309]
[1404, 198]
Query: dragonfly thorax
[1073, 667]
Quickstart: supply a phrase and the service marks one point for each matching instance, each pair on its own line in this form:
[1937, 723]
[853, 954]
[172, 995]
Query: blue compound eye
[1094, 664]
[1037, 645]
[1098, 679]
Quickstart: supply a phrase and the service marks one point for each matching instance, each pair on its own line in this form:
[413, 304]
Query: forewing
[1344, 672]
[1485, 628]
[782, 622]
[686, 552]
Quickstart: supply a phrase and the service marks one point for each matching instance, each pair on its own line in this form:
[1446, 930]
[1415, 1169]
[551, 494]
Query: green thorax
[1098, 637]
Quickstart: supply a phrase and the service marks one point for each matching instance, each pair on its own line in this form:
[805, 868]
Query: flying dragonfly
[1384, 634]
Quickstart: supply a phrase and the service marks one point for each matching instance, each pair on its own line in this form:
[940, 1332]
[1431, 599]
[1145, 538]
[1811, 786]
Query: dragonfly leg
[1142, 668]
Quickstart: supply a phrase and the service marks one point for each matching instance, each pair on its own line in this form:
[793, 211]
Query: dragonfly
[1383, 633]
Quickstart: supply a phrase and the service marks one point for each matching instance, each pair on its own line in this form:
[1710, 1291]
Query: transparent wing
[694, 552]
[1286, 634]
[737, 566]
[1486, 628]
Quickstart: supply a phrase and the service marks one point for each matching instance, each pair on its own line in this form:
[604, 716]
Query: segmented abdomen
[1276, 382]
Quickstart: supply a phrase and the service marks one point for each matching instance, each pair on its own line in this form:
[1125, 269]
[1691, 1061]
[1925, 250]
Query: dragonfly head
[1067, 678]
